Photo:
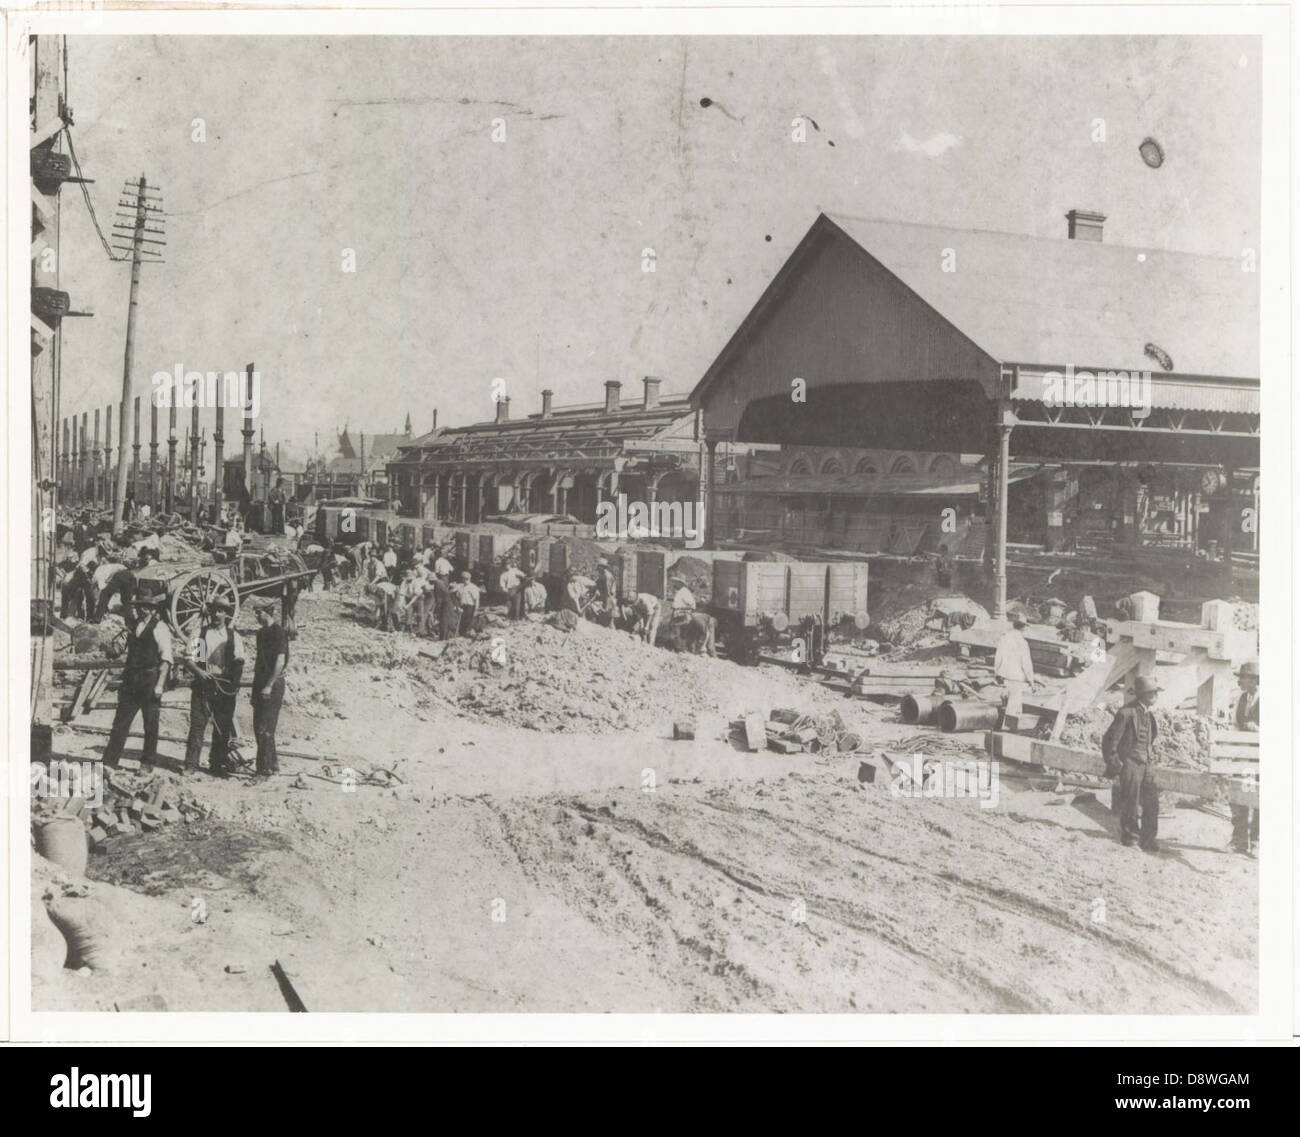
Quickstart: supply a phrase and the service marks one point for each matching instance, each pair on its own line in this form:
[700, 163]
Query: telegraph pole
[142, 206]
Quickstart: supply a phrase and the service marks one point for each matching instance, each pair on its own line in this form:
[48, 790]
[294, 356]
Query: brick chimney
[435, 419]
[503, 409]
[651, 391]
[612, 388]
[546, 402]
[1085, 225]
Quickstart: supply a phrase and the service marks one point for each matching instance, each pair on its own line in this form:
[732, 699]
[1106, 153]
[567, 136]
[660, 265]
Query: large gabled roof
[1051, 302]
[1043, 300]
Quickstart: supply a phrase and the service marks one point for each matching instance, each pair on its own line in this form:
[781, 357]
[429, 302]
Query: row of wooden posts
[86, 472]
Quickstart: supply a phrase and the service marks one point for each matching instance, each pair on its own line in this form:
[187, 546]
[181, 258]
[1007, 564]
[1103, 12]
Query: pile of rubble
[128, 801]
[1183, 738]
[790, 731]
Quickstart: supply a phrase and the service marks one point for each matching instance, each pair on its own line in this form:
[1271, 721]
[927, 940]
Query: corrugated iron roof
[577, 430]
[1042, 300]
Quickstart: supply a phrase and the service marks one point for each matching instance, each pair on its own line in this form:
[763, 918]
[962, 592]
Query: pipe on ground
[966, 714]
[920, 710]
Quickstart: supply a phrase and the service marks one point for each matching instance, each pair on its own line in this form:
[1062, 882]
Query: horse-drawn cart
[187, 592]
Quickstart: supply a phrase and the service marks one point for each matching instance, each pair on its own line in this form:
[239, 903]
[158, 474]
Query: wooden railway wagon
[351, 521]
[755, 602]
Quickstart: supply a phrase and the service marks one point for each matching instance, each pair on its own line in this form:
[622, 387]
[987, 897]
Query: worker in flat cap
[268, 683]
[148, 663]
[1245, 820]
[217, 664]
[1127, 749]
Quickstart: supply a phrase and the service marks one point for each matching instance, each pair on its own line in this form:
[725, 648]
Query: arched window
[832, 466]
[865, 466]
[903, 464]
[943, 466]
[800, 466]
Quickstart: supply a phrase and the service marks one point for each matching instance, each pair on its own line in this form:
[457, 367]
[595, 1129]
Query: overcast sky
[522, 259]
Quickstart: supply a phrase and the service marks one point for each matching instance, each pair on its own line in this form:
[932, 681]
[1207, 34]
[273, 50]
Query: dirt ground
[544, 845]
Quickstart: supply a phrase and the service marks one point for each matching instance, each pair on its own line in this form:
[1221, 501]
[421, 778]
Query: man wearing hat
[1013, 666]
[467, 594]
[1245, 820]
[1126, 748]
[268, 684]
[148, 663]
[218, 666]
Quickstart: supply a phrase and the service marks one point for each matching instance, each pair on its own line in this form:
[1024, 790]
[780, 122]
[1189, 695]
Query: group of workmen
[101, 571]
[421, 593]
[1128, 744]
[215, 659]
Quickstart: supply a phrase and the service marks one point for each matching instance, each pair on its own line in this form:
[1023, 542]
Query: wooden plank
[1237, 737]
[1235, 767]
[1086, 687]
[1022, 748]
[1165, 635]
[755, 731]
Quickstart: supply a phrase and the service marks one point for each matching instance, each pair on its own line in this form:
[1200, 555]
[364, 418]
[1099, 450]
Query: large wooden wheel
[192, 593]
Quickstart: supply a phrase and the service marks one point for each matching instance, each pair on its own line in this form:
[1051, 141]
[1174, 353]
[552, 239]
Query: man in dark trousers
[220, 653]
[277, 499]
[1126, 748]
[268, 684]
[148, 663]
[1245, 821]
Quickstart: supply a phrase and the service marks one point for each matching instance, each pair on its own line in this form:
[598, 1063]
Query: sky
[523, 258]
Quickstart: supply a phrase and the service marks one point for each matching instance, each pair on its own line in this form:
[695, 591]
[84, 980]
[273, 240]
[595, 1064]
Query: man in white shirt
[219, 655]
[467, 594]
[1013, 666]
[576, 589]
[390, 560]
[112, 579]
[512, 584]
[441, 565]
[647, 609]
[683, 598]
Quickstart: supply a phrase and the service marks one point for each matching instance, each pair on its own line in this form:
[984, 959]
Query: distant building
[358, 469]
[557, 460]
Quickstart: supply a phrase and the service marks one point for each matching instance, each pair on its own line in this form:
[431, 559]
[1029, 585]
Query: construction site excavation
[866, 637]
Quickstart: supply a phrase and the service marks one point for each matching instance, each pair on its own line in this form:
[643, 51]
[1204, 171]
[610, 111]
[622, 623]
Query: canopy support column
[1006, 420]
